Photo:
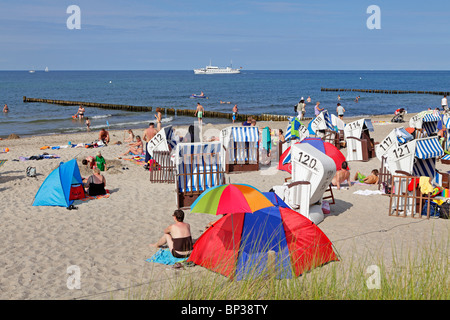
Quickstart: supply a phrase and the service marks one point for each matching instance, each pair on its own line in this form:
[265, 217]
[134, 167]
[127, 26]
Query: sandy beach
[108, 238]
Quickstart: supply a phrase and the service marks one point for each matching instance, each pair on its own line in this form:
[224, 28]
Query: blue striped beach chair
[198, 169]
[425, 123]
[241, 149]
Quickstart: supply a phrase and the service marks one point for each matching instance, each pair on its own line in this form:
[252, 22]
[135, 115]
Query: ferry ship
[216, 70]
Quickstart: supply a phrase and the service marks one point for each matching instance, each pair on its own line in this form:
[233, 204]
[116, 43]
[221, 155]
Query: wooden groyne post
[167, 111]
[439, 93]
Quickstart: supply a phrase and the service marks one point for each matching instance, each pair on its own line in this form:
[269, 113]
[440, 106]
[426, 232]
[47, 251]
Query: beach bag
[31, 172]
[76, 192]
[445, 210]
[434, 209]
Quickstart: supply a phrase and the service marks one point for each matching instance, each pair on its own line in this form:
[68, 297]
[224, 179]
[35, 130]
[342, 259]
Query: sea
[255, 92]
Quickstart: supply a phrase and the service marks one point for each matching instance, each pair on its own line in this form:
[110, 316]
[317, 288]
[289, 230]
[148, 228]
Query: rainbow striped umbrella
[230, 198]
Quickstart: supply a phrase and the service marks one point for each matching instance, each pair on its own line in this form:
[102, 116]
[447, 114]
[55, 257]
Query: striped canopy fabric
[244, 146]
[288, 134]
[198, 166]
[328, 121]
[2, 162]
[245, 134]
[425, 168]
[428, 148]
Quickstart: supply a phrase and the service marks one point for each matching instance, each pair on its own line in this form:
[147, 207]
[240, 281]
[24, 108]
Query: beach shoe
[146, 167]
[178, 266]
[72, 207]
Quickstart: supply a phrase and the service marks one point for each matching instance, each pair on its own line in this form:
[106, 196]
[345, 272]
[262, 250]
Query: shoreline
[352, 118]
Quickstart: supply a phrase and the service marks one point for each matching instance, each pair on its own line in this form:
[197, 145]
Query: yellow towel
[424, 185]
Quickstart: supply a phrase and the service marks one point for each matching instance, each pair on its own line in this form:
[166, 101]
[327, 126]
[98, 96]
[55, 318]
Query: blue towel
[164, 256]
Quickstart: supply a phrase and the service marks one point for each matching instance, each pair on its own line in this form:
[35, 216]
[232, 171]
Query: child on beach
[88, 124]
[370, 179]
[100, 161]
[89, 161]
[130, 136]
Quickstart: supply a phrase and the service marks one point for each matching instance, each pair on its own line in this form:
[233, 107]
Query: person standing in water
[199, 113]
[235, 112]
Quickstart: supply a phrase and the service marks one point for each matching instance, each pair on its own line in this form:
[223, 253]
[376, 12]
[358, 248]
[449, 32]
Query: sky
[254, 35]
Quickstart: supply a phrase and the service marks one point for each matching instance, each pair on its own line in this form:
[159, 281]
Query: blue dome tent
[56, 188]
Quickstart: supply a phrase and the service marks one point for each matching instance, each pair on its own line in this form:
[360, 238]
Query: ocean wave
[101, 116]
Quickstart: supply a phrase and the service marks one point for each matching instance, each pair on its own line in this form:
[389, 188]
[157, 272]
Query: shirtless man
[177, 236]
[148, 135]
[199, 113]
[341, 176]
[103, 136]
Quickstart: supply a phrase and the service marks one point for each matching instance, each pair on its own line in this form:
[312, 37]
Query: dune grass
[420, 274]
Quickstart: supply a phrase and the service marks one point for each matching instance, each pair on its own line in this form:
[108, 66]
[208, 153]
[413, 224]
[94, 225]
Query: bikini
[182, 244]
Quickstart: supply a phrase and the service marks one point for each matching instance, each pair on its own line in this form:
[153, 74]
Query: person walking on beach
[340, 111]
[199, 113]
[444, 103]
[235, 112]
[148, 135]
[158, 119]
[317, 109]
[177, 236]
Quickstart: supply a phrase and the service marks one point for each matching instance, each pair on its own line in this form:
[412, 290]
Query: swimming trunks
[182, 244]
[200, 114]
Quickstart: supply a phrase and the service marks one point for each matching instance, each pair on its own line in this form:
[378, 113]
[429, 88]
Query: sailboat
[31, 71]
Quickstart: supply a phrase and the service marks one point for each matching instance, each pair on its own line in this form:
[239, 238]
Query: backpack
[31, 172]
[445, 210]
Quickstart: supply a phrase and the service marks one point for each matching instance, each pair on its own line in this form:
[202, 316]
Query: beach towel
[424, 185]
[164, 256]
[88, 197]
[266, 139]
[367, 192]
[138, 159]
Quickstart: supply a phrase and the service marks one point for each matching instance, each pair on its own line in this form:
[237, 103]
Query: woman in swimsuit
[135, 147]
[158, 119]
[95, 184]
[177, 236]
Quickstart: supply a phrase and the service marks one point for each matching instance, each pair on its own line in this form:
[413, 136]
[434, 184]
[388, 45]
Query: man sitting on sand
[177, 236]
[341, 176]
[103, 136]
